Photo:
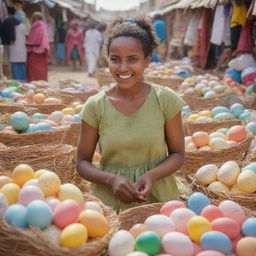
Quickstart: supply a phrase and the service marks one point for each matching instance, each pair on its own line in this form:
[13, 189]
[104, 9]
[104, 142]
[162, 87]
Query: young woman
[137, 125]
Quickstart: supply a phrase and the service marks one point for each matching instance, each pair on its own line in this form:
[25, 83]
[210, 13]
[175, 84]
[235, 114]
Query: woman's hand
[124, 189]
[144, 186]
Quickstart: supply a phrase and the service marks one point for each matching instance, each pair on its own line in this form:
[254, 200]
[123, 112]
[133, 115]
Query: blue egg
[251, 167]
[197, 202]
[249, 227]
[43, 126]
[237, 109]
[6, 93]
[223, 130]
[219, 109]
[216, 241]
[244, 115]
[224, 115]
[251, 126]
[250, 89]
[77, 118]
[30, 129]
[16, 215]
[19, 120]
[39, 214]
[38, 116]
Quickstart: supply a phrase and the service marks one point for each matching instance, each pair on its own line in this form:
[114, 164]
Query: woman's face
[127, 61]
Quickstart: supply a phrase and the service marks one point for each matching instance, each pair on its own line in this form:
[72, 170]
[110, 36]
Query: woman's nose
[123, 66]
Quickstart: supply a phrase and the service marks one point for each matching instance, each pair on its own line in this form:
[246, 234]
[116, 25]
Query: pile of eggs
[198, 229]
[38, 98]
[78, 88]
[228, 178]
[206, 85]
[221, 139]
[221, 113]
[38, 199]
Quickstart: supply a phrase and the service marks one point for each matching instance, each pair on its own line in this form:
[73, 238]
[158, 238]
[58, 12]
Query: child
[137, 125]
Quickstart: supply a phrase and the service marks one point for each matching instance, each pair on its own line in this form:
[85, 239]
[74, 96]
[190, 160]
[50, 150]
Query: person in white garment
[92, 42]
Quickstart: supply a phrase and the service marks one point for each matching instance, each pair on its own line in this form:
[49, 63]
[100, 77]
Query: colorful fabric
[245, 41]
[236, 75]
[191, 33]
[238, 15]
[60, 53]
[19, 71]
[37, 67]
[160, 29]
[132, 144]
[75, 54]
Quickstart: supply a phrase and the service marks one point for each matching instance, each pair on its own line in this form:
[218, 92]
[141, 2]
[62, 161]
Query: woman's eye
[132, 59]
[114, 59]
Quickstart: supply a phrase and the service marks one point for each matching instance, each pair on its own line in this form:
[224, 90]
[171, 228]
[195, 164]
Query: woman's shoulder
[97, 98]
[164, 91]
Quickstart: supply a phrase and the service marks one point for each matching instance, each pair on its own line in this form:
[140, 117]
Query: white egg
[53, 234]
[218, 143]
[93, 206]
[217, 135]
[137, 254]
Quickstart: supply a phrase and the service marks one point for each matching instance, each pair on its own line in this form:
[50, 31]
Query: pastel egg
[33, 182]
[200, 138]
[69, 118]
[207, 174]
[249, 227]
[137, 254]
[39, 214]
[121, 243]
[251, 126]
[39, 98]
[218, 186]
[52, 233]
[197, 201]
[22, 173]
[38, 116]
[228, 173]
[11, 192]
[217, 143]
[73, 235]
[3, 203]
[177, 244]
[136, 229]
[49, 182]
[232, 210]
[52, 202]
[237, 109]
[218, 110]
[4, 180]
[68, 111]
[197, 226]
[251, 166]
[212, 212]
[244, 115]
[246, 181]
[56, 116]
[237, 133]
[30, 193]
[180, 218]
[246, 247]
[66, 213]
[92, 205]
[159, 223]
[16, 215]
[217, 241]
[210, 253]
[224, 116]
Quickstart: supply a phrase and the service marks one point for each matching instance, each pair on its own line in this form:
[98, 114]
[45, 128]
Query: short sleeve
[89, 113]
[170, 102]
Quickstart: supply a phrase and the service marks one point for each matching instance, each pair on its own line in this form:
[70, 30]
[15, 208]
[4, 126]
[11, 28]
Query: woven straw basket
[104, 78]
[19, 242]
[55, 136]
[57, 158]
[10, 109]
[72, 134]
[192, 127]
[249, 101]
[47, 108]
[194, 160]
[247, 200]
[76, 96]
[172, 83]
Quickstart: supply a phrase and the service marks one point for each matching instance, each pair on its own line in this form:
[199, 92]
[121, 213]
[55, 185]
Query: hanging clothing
[7, 30]
[92, 42]
[245, 43]
[191, 32]
[221, 28]
[74, 38]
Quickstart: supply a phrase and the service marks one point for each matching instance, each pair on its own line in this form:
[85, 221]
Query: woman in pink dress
[74, 45]
[38, 50]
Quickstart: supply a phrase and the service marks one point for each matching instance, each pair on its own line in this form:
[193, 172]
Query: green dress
[132, 144]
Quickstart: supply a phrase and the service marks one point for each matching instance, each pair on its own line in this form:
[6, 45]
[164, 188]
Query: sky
[115, 5]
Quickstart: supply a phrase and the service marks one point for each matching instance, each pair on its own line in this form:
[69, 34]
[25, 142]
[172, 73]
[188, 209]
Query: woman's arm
[175, 143]
[122, 187]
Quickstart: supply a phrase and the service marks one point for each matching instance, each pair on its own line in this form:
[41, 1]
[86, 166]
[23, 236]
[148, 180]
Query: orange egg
[22, 173]
[237, 133]
[200, 138]
[136, 229]
[39, 98]
[5, 180]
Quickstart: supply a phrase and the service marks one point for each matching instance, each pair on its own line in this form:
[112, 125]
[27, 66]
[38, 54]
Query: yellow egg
[246, 246]
[68, 111]
[75, 103]
[73, 235]
[5, 180]
[40, 172]
[95, 223]
[218, 186]
[11, 192]
[22, 173]
[206, 113]
[218, 143]
[49, 182]
[70, 191]
[78, 108]
[235, 190]
[228, 173]
[246, 181]
[193, 117]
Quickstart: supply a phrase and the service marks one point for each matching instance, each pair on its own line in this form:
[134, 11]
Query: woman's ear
[147, 61]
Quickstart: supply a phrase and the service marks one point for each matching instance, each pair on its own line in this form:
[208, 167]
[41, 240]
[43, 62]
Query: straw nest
[55, 136]
[57, 158]
[247, 200]
[20, 242]
[172, 83]
[192, 127]
[104, 78]
[68, 97]
[194, 160]
[47, 108]
[139, 214]
[72, 134]
[10, 108]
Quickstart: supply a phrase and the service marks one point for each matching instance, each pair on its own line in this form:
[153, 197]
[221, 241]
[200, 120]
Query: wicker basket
[55, 136]
[57, 158]
[47, 108]
[84, 185]
[77, 96]
[249, 101]
[72, 134]
[192, 127]
[194, 160]
[247, 200]
[20, 242]
[104, 78]
[10, 109]
[172, 83]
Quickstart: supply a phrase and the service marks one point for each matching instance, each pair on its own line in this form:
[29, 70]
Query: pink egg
[197, 248]
[177, 244]
[212, 212]
[232, 210]
[227, 226]
[66, 213]
[52, 202]
[69, 118]
[170, 206]
[51, 123]
[33, 182]
[180, 218]
[210, 253]
[30, 193]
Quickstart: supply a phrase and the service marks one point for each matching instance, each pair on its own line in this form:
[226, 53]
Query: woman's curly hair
[140, 28]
